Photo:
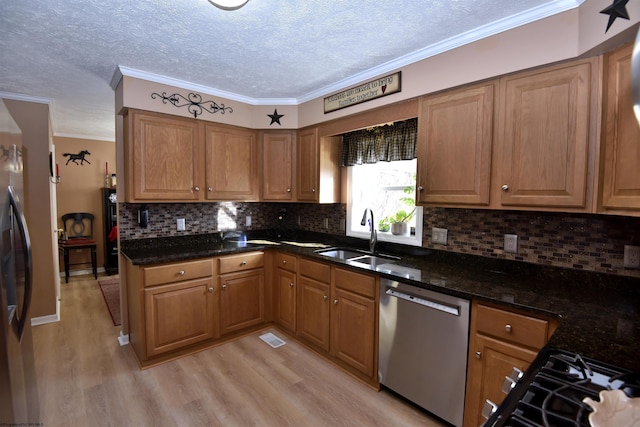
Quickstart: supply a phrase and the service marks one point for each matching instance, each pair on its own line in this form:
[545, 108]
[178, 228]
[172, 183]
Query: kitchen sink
[357, 256]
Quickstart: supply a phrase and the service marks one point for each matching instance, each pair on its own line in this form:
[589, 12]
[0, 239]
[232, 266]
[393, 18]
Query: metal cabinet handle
[488, 409]
[210, 290]
[210, 189]
[181, 273]
[243, 263]
[288, 190]
[420, 188]
[478, 354]
[507, 328]
[313, 190]
[505, 187]
[324, 298]
[284, 261]
[291, 285]
[335, 301]
[224, 286]
[196, 188]
[516, 374]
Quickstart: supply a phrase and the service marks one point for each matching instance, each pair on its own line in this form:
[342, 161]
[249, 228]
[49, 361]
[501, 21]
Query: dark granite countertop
[599, 314]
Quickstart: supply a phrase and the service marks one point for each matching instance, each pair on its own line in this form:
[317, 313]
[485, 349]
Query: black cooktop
[552, 392]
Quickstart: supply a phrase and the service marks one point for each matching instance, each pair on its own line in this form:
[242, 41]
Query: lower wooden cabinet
[179, 315]
[285, 284]
[242, 300]
[337, 314]
[500, 340]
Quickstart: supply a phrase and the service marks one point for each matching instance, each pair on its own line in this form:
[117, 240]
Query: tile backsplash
[586, 242]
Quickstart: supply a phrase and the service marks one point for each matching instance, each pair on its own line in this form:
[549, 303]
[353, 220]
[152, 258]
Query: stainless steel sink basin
[357, 256]
[340, 253]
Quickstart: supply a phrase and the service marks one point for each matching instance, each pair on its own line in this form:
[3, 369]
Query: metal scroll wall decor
[193, 102]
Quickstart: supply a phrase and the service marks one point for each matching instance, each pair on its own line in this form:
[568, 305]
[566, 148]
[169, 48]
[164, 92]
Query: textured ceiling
[289, 50]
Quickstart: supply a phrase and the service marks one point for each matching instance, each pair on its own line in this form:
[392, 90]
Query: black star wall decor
[275, 117]
[617, 10]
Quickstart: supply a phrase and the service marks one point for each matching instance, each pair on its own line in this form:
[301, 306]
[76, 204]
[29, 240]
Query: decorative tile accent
[584, 242]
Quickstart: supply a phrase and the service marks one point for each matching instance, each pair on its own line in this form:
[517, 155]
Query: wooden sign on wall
[377, 88]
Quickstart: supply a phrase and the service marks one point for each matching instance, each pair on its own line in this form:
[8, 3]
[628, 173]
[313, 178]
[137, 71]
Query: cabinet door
[454, 149]
[163, 158]
[546, 137]
[621, 143]
[313, 312]
[307, 166]
[231, 163]
[489, 362]
[353, 334]
[241, 300]
[286, 299]
[277, 166]
[180, 314]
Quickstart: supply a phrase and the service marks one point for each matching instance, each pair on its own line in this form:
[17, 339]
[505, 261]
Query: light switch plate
[247, 221]
[180, 225]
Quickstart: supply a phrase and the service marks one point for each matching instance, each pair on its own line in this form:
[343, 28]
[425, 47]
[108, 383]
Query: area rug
[111, 292]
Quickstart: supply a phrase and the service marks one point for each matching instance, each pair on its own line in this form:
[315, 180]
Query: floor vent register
[272, 340]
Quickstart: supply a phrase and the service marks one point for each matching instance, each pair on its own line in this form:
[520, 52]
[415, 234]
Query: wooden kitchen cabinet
[455, 134]
[231, 163]
[314, 305]
[500, 340]
[337, 313]
[354, 320]
[171, 307]
[241, 291]
[277, 165]
[285, 282]
[318, 167]
[620, 144]
[547, 122]
[161, 157]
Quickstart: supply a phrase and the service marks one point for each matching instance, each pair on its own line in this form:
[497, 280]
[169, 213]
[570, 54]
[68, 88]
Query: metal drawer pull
[243, 263]
[291, 284]
[478, 355]
[335, 301]
[324, 298]
[210, 189]
[196, 188]
[507, 327]
[210, 290]
[488, 409]
[224, 286]
[508, 385]
[181, 273]
[505, 187]
[284, 261]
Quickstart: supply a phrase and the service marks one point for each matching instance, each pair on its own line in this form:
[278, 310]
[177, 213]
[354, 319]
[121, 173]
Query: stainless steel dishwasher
[423, 343]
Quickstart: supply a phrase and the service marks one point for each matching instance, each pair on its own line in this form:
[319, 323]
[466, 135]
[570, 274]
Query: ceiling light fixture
[228, 4]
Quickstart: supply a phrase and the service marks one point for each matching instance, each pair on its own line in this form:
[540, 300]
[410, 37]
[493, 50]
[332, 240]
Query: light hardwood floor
[87, 379]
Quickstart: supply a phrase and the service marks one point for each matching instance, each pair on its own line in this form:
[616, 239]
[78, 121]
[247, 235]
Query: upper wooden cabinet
[318, 167]
[620, 149]
[231, 163]
[277, 165]
[161, 154]
[546, 123]
[454, 153]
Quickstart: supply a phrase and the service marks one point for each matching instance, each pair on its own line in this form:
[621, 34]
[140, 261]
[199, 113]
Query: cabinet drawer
[286, 261]
[355, 282]
[315, 270]
[241, 262]
[517, 328]
[177, 272]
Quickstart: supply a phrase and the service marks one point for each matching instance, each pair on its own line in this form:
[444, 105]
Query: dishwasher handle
[425, 302]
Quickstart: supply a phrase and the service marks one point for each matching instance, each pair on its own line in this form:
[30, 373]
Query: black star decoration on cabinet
[617, 10]
[275, 117]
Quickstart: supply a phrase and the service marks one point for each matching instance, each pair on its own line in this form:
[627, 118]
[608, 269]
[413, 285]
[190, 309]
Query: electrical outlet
[511, 243]
[180, 224]
[247, 221]
[439, 235]
[631, 256]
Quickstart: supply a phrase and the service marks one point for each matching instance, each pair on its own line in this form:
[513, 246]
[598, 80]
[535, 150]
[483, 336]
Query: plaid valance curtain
[380, 144]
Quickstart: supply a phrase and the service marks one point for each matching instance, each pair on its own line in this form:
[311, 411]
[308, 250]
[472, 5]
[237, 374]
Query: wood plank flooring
[87, 379]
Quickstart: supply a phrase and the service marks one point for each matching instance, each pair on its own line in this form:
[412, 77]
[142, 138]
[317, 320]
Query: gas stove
[552, 391]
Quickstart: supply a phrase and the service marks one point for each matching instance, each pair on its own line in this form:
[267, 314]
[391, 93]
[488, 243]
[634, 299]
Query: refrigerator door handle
[20, 221]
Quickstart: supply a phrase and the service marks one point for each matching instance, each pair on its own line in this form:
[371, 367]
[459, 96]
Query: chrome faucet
[374, 234]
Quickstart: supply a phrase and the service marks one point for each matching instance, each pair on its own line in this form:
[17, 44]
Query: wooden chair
[78, 235]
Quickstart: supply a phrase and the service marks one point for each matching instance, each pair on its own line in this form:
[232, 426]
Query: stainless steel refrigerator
[18, 389]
